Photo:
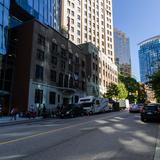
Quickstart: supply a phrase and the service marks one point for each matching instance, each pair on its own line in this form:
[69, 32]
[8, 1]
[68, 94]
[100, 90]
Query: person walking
[44, 111]
[13, 113]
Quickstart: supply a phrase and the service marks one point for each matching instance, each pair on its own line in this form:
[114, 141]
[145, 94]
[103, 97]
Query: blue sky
[139, 19]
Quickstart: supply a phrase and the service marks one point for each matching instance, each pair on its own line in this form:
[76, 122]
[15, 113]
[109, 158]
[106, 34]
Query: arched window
[60, 82]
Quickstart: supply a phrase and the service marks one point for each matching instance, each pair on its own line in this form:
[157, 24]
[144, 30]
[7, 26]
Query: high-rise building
[91, 21]
[122, 53]
[149, 57]
[46, 11]
[4, 21]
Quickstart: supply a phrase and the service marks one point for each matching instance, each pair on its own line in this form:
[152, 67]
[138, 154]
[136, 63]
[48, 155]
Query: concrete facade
[92, 21]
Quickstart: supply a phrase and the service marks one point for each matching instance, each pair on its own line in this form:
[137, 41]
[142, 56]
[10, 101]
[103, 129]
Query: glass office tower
[46, 11]
[4, 20]
[122, 53]
[149, 57]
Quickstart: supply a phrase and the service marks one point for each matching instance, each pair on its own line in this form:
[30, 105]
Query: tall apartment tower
[122, 53]
[91, 21]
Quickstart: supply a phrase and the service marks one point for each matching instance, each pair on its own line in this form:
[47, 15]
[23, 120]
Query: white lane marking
[11, 157]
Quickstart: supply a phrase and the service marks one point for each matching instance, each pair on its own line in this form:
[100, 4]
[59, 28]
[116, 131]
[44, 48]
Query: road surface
[109, 136]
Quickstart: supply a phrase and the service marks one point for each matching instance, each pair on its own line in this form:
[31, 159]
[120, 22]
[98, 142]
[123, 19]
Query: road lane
[9, 134]
[112, 136]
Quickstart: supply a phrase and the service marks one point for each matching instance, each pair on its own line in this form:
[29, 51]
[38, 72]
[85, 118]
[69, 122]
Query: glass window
[52, 97]
[6, 3]
[1, 37]
[38, 96]
[53, 76]
[1, 14]
[39, 72]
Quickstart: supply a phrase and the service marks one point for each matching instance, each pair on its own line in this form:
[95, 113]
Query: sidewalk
[6, 120]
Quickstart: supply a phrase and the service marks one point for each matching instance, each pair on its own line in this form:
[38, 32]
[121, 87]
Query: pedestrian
[44, 111]
[13, 113]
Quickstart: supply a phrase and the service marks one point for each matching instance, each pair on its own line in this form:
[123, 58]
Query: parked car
[72, 110]
[135, 108]
[150, 112]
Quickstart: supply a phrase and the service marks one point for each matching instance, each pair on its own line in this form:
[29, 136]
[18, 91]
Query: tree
[154, 82]
[142, 95]
[112, 91]
[122, 91]
[136, 93]
[116, 91]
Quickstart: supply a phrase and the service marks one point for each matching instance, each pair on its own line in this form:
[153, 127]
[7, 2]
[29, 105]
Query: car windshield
[86, 104]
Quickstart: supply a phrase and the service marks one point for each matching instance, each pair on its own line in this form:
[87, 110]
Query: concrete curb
[3, 124]
[157, 151]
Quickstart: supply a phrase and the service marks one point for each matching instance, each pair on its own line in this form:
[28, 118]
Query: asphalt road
[110, 136]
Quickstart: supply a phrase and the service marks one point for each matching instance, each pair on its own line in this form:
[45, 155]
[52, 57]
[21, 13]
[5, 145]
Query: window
[52, 97]
[72, 29]
[79, 9]
[78, 17]
[60, 82]
[63, 65]
[68, 11]
[78, 32]
[40, 55]
[83, 74]
[70, 67]
[72, 21]
[78, 24]
[59, 98]
[72, 13]
[66, 81]
[63, 53]
[72, 37]
[77, 60]
[41, 40]
[38, 98]
[78, 40]
[53, 75]
[54, 60]
[72, 5]
[39, 72]
[54, 47]
[83, 63]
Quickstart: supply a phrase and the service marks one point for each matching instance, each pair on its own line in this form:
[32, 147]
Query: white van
[93, 104]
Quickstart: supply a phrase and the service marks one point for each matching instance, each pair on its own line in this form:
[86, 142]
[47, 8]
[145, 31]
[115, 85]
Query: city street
[109, 136]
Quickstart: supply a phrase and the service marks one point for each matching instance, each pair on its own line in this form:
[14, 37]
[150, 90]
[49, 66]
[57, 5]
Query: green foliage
[122, 91]
[112, 91]
[136, 93]
[142, 96]
[116, 91]
[155, 84]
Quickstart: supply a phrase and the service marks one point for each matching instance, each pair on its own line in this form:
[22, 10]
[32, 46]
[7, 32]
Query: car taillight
[142, 110]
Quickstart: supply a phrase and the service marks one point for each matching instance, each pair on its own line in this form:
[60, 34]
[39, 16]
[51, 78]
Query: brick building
[49, 68]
